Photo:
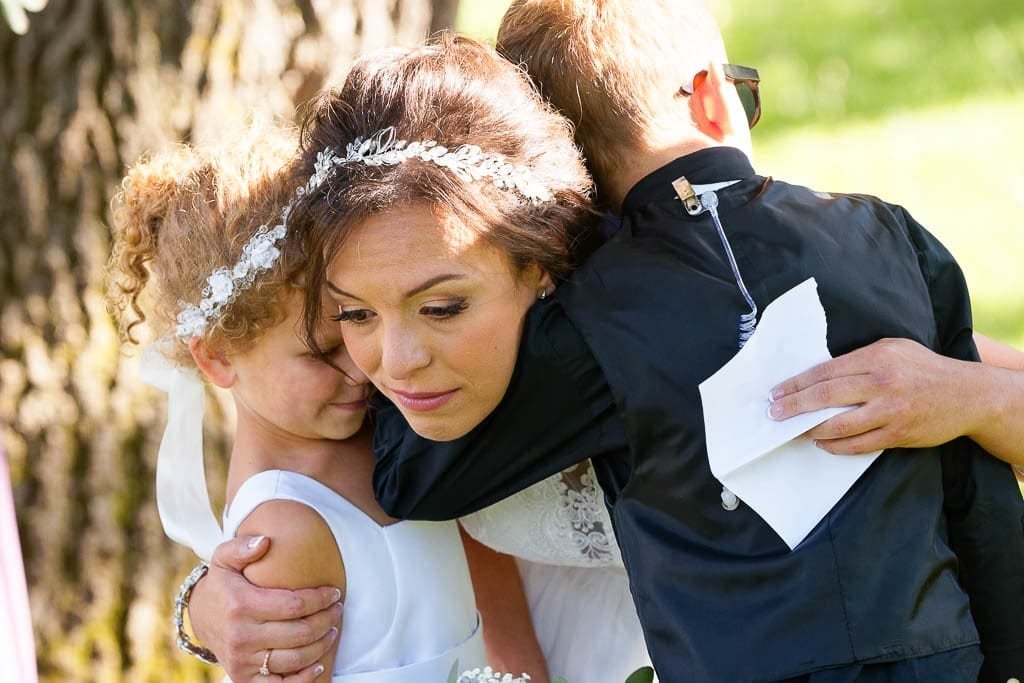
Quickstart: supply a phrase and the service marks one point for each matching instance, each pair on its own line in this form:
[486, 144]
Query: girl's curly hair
[188, 211]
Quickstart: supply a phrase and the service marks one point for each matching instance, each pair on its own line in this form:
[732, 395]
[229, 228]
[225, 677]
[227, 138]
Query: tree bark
[443, 15]
[93, 85]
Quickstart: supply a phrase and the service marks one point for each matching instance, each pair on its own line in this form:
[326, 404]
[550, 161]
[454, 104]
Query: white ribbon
[181, 495]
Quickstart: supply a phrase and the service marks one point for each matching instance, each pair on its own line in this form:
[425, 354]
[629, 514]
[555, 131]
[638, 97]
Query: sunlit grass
[920, 103]
[480, 18]
[844, 61]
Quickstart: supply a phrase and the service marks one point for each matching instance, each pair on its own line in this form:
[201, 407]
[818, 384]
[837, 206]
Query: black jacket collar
[709, 165]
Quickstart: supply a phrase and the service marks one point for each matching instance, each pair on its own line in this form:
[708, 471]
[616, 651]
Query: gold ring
[265, 667]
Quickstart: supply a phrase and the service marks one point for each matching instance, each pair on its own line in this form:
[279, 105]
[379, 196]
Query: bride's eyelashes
[356, 316]
[362, 316]
[445, 311]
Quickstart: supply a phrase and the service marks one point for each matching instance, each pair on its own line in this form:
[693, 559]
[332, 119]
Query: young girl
[202, 256]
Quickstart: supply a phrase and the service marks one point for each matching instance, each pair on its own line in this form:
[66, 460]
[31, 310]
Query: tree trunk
[92, 86]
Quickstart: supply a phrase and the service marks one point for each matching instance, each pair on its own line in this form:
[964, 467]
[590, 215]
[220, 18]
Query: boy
[875, 592]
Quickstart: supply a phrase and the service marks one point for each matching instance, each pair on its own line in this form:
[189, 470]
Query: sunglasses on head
[746, 80]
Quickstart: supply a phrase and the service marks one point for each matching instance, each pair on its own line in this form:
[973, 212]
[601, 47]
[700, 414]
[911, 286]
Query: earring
[543, 294]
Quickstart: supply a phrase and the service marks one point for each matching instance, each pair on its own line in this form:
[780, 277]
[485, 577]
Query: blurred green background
[920, 103]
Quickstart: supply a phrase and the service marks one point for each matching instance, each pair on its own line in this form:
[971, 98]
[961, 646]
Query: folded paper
[791, 483]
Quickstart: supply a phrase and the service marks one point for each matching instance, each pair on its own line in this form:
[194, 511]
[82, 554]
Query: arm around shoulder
[303, 553]
[909, 396]
[996, 398]
[239, 622]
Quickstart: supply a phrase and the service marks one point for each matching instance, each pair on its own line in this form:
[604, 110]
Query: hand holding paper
[789, 482]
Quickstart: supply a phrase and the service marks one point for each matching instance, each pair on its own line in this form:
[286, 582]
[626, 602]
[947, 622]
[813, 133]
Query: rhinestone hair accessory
[468, 162]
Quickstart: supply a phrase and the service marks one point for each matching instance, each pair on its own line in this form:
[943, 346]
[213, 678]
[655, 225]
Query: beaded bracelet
[180, 605]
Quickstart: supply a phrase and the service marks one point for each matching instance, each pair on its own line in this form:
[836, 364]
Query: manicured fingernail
[317, 670]
[775, 393]
[775, 411]
[334, 632]
[255, 541]
[337, 595]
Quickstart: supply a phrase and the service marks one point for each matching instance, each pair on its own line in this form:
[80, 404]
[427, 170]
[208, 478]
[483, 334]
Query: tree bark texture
[94, 84]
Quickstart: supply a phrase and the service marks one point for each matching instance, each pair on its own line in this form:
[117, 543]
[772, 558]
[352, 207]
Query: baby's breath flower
[488, 675]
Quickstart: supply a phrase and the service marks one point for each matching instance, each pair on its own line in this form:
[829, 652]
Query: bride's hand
[240, 622]
[905, 396]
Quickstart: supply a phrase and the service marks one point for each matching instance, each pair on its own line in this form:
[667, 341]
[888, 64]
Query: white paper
[789, 482]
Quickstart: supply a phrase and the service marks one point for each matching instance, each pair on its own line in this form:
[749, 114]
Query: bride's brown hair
[454, 91]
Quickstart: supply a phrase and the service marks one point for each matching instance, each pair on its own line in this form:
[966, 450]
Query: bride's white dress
[561, 536]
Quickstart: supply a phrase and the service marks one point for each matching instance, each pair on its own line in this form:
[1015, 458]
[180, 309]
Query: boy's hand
[240, 622]
[906, 395]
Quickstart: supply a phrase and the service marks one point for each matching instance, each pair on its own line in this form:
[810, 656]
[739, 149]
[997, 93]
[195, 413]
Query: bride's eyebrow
[335, 289]
[432, 282]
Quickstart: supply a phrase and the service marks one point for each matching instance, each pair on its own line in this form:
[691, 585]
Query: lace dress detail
[561, 520]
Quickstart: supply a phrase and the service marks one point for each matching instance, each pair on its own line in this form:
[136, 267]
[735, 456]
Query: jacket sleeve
[557, 412]
[983, 503]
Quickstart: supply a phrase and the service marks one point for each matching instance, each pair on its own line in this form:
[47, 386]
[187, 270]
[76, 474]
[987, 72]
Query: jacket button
[731, 502]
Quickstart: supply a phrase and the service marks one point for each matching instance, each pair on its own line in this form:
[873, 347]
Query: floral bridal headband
[383, 148]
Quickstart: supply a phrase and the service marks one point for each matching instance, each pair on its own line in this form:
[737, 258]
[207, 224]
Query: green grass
[480, 18]
[868, 59]
[920, 103]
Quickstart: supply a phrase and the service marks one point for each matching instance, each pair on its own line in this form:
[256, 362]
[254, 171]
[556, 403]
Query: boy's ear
[711, 107]
[216, 366]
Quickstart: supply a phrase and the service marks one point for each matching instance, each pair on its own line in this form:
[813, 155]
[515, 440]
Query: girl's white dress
[409, 607]
[561, 535]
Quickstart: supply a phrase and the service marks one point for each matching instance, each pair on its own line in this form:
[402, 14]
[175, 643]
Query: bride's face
[432, 314]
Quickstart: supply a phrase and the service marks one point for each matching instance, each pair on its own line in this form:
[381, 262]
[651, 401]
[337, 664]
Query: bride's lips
[422, 402]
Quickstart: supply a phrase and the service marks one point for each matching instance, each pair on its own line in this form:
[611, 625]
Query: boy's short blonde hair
[611, 66]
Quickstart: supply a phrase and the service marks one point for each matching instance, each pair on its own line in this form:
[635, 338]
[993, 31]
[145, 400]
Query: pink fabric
[17, 649]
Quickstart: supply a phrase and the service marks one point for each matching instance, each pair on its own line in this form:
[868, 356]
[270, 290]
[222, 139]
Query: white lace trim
[562, 520]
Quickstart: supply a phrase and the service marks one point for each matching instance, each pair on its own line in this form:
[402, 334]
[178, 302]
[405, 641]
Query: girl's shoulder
[294, 512]
[303, 550]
